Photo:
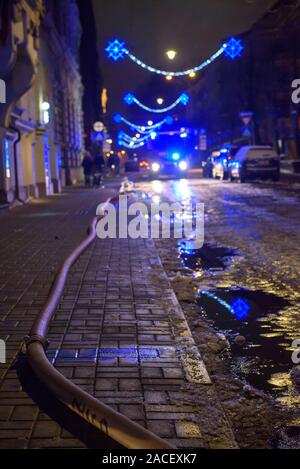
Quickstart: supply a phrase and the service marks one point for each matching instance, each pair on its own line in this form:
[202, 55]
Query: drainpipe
[17, 188]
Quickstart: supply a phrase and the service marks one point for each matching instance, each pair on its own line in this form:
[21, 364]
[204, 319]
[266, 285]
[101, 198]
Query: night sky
[195, 28]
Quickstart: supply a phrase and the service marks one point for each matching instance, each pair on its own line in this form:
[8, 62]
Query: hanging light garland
[131, 145]
[134, 142]
[130, 99]
[126, 137]
[117, 50]
[143, 129]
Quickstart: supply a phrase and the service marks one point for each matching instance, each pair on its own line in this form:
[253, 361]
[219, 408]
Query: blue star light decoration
[233, 48]
[116, 50]
[129, 98]
[240, 308]
[185, 99]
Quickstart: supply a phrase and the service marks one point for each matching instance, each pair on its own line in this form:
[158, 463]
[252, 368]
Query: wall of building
[260, 82]
[41, 123]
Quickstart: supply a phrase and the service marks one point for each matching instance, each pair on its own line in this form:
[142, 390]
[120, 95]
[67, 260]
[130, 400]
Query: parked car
[252, 162]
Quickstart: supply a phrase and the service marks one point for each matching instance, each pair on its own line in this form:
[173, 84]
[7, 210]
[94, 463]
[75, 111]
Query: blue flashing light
[175, 156]
[233, 48]
[116, 50]
[240, 308]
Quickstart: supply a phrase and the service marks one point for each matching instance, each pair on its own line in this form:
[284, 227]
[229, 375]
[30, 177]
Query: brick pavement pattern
[119, 331]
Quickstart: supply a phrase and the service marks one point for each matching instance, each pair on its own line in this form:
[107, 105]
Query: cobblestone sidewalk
[119, 331]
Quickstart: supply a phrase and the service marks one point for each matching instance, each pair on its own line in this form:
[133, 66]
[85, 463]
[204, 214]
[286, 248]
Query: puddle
[265, 359]
[209, 257]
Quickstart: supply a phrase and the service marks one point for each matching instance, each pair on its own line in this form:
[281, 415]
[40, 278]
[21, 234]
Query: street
[260, 223]
[149, 230]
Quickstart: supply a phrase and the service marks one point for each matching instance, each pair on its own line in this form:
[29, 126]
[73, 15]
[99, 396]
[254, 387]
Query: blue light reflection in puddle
[260, 318]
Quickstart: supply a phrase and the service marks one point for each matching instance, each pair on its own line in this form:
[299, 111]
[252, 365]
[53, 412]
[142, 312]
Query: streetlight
[160, 101]
[45, 107]
[171, 54]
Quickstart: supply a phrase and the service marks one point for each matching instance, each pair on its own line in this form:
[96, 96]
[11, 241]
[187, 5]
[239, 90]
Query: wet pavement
[248, 272]
[118, 332]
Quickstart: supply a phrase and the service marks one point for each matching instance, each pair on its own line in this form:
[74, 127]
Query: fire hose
[115, 425]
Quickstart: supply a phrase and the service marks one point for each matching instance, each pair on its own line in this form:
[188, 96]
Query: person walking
[87, 164]
[114, 164]
[98, 166]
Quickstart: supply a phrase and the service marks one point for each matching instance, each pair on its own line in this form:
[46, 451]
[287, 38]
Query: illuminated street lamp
[171, 54]
[45, 107]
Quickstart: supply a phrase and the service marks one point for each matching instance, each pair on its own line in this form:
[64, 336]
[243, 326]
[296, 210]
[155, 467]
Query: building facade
[90, 70]
[259, 82]
[41, 122]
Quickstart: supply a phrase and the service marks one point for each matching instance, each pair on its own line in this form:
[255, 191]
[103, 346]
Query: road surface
[260, 221]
